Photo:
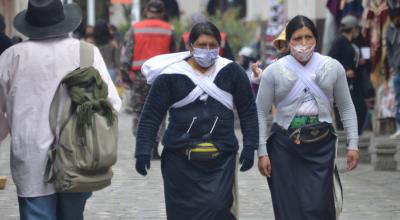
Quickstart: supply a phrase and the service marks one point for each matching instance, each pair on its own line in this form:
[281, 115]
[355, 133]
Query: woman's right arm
[154, 110]
[264, 100]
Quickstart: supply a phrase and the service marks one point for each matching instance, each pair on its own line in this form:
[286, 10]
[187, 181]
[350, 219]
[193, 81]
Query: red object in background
[121, 1]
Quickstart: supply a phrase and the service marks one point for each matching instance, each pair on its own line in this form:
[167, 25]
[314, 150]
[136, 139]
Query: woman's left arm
[246, 107]
[245, 104]
[344, 103]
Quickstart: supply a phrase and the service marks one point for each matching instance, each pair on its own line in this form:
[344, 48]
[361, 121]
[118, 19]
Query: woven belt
[303, 120]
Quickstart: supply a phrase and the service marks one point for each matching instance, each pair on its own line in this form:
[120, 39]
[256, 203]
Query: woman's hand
[352, 159]
[264, 166]
[350, 74]
[256, 69]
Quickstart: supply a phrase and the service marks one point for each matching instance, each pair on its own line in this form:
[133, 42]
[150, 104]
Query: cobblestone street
[369, 195]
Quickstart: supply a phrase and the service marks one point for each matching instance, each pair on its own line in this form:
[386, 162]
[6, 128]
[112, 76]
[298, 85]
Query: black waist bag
[203, 151]
[310, 133]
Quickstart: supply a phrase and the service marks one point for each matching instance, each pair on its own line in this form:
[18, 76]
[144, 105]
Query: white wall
[19, 5]
[189, 7]
[313, 9]
[117, 16]
[257, 9]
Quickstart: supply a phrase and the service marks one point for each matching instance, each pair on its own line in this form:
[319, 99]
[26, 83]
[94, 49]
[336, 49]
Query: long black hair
[299, 22]
[101, 33]
[206, 28]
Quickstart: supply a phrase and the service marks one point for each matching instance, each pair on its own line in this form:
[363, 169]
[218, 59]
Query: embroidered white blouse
[29, 75]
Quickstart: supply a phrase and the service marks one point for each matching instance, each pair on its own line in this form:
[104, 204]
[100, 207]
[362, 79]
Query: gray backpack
[86, 131]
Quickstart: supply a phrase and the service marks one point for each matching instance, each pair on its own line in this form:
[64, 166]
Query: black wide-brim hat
[48, 19]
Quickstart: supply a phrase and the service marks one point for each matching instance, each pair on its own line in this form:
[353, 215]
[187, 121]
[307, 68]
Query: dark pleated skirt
[199, 190]
[301, 184]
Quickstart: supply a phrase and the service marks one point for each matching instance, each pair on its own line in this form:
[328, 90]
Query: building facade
[9, 9]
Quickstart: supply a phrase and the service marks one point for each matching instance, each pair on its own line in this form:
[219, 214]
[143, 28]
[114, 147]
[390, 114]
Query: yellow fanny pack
[203, 151]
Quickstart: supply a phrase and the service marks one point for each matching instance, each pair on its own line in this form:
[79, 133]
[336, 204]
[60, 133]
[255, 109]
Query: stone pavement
[369, 195]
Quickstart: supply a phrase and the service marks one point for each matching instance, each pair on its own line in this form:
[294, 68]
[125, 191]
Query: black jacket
[170, 88]
[5, 42]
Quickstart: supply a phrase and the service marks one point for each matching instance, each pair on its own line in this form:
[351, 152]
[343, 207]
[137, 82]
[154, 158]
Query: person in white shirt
[29, 75]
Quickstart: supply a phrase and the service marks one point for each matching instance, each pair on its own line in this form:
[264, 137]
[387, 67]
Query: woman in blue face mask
[199, 90]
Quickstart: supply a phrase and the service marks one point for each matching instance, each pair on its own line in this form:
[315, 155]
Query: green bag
[86, 129]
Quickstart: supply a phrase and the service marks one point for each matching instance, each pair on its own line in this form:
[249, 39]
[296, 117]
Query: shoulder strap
[86, 54]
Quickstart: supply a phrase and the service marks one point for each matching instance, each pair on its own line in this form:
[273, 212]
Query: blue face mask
[204, 57]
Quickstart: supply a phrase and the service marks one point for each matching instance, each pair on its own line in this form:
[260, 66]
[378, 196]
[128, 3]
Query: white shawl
[175, 63]
[304, 78]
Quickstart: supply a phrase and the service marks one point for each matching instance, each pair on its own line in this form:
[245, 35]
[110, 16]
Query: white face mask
[302, 53]
[205, 57]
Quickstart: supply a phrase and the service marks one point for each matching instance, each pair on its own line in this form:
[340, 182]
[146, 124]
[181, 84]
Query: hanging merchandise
[273, 28]
[341, 8]
[375, 23]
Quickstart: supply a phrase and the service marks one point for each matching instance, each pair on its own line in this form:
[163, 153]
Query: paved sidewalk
[369, 195]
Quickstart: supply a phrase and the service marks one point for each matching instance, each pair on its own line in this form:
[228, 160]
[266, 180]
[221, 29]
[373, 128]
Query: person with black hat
[29, 76]
[393, 55]
[145, 39]
[5, 41]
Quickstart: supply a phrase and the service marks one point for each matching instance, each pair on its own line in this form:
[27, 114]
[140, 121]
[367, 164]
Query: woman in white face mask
[297, 153]
[199, 90]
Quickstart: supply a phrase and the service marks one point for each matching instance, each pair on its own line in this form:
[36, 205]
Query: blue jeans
[58, 206]
[396, 86]
[112, 73]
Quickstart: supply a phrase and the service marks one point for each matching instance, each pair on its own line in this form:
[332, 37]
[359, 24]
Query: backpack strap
[86, 54]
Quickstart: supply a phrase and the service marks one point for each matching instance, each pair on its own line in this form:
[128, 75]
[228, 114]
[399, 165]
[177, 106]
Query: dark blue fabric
[301, 184]
[198, 190]
[170, 88]
[5, 42]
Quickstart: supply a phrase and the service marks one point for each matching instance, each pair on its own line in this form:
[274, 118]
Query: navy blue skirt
[301, 184]
[199, 190]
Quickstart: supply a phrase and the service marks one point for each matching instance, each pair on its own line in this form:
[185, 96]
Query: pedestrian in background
[30, 74]
[348, 55]
[393, 58]
[283, 50]
[145, 39]
[246, 59]
[297, 154]
[109, 49]
[363, 94]
[200, 91]
[5, 41]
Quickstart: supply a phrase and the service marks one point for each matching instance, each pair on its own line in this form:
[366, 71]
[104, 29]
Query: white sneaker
[396, 135]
